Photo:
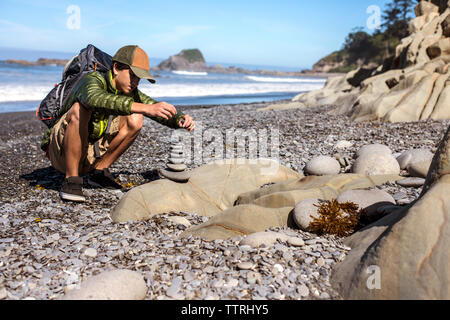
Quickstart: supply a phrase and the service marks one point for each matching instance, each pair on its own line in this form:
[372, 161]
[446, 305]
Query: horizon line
[155, 58]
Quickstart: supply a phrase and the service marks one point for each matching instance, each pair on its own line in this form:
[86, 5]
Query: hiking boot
[72, 189]
[103, 179]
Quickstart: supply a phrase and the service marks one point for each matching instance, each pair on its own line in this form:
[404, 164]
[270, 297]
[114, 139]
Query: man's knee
[134, 123]
[78, 113]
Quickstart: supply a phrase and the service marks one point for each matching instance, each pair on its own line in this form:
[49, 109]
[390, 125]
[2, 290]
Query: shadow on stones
[387, 220]
[151, 175]
[371, 214]
[291, 222]
[48, 177]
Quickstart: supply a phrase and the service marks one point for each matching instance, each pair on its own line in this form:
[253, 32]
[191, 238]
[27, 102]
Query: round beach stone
[323, 166]
[369, 200]
[419, 169]
[176, 160]
[266, 238]
[373, 148]
[277, 268]
[296, 241]
[176, 149]
[366, 198]
[413, 156]
[379, 163]
[175, 176]
[343, 144]
[175, 155]
[303, 212]
[247, 265]
[340, 159]
[177, 167]
[411, 182]
[303, 290]
[179, 220]
[90, 252]
[117, 284]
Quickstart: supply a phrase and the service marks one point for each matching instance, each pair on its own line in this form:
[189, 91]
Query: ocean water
[23, 87]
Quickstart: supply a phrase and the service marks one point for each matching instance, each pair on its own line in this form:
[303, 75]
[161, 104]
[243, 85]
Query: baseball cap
[136, 59]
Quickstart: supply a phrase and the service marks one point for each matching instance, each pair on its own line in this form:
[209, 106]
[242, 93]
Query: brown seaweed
[340, 219]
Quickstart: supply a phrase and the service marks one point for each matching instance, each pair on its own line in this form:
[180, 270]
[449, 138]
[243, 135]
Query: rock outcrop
[39, 62]
[186, 60]
[416, 86]
[211, 189]
[405, 254]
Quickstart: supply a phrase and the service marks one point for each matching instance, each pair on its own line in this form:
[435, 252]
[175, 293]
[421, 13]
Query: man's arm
[161, 112]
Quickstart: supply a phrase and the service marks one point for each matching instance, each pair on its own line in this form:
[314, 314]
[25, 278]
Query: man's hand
[161, 109]
[187, 123]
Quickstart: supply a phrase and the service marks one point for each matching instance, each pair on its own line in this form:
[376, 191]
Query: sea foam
[190, 73]
[30, 92]
[282, 79]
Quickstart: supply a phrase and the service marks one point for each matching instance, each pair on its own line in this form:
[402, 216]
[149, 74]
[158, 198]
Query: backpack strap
[96, 144]
[97, 150]
[108, 127]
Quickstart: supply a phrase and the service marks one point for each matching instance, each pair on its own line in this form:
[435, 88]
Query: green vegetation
[363, 49]
[192, 55]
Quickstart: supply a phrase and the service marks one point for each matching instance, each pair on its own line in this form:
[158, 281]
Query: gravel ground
[48, 246]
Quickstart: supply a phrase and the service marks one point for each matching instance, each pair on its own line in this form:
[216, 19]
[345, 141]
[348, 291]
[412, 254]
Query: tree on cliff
[396, 17]
[361, 48]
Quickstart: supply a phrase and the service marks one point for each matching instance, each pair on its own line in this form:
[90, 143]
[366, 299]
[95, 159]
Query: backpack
[88, 60]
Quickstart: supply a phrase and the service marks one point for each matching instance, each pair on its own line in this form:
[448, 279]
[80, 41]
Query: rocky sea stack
[186, 60]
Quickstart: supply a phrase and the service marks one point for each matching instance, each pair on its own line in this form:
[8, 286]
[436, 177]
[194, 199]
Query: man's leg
[75, 138]
[76, 132]
[129, 128]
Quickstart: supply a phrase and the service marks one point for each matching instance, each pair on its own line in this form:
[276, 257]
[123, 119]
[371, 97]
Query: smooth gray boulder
[413, 156]
[373, 148]
[378, 163]
[322, 166]
[305, 211]
[368, 200]
[419, 169]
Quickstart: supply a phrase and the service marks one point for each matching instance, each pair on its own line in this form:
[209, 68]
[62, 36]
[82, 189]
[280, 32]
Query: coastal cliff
[413, 86]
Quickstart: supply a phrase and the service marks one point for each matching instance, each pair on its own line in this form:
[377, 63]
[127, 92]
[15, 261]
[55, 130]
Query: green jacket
[97, 93]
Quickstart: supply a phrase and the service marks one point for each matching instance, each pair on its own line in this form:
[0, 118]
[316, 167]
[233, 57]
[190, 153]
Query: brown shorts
[88, 157]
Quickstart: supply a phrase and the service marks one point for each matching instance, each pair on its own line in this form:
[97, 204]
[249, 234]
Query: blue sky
[275, 33]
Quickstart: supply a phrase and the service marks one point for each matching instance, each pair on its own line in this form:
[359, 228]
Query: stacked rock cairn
[176, 168]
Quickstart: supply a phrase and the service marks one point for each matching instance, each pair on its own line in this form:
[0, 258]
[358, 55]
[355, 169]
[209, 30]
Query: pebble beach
[48, 247]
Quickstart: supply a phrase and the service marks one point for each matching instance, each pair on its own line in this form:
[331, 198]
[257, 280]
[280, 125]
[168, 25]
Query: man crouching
[101, 119]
